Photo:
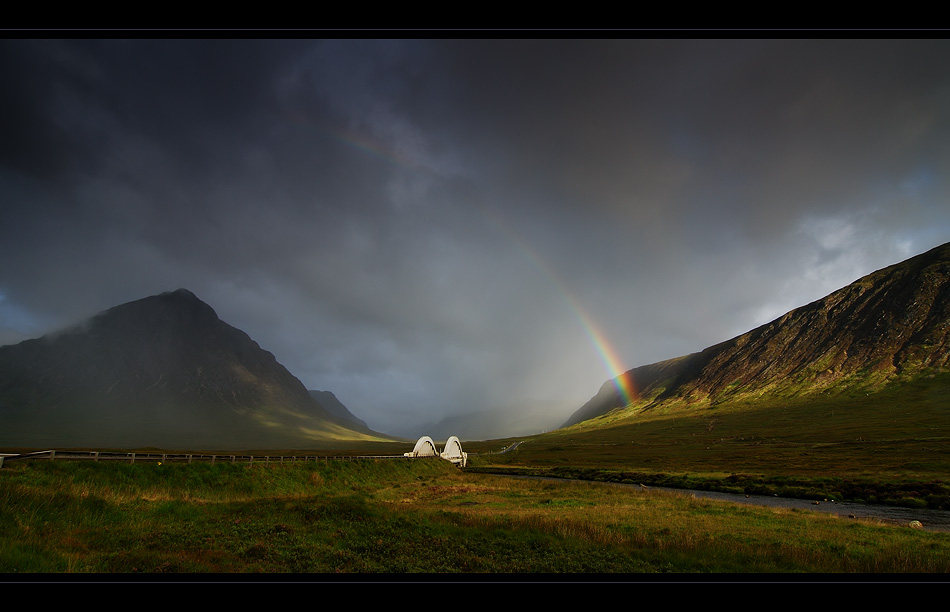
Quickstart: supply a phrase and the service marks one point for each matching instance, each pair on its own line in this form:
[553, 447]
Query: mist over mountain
[889, 325]
[165, 371]
[527, 418]
[162, 371]
[335, 407]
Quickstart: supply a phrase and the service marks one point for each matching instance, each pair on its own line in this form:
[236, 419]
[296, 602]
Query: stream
[931, 520]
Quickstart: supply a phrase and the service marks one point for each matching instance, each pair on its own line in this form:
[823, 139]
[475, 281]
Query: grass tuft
[420, 516]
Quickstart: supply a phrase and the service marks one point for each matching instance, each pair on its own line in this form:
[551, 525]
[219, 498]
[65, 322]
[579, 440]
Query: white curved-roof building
[425, 447]
[452, 451]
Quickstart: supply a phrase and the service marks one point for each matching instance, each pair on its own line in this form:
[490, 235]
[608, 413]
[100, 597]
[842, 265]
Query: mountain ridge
[891, 323]
[160, 371]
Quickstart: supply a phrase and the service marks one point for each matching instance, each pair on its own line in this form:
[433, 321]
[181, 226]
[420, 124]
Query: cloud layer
[427, 228]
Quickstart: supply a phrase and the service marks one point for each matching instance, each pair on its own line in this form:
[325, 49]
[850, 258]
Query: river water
[931, 520]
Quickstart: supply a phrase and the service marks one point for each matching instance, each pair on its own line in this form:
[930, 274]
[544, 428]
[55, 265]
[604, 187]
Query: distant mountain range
[166, 372]
[893, 324]
[530, 418]
[163, 371]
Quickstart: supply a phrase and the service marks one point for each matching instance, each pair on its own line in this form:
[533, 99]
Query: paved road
[510, 448]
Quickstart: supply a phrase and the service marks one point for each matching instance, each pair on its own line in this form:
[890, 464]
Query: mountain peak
[171, 312]
[181, 293]
[160, 371]
[178, 297]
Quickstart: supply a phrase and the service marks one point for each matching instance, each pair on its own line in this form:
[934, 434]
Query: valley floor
[420, 516]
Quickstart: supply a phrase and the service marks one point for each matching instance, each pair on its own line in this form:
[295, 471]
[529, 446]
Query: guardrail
[129, 457]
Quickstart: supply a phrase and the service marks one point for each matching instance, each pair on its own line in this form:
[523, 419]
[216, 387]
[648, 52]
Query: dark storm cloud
[429, 227]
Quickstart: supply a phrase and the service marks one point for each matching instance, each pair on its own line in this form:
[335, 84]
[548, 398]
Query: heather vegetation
[889, 447]
[422, 516]
[410, 516]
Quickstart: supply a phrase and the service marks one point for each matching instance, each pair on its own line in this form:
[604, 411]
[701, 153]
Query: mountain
[336, 407]
[893, 324]
[531, 417]
[162, 371]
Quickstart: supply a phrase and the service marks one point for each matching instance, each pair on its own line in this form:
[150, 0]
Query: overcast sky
[427, 228]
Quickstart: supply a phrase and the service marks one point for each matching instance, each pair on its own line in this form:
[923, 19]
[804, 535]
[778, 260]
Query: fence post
[133, 459]
[212, 459]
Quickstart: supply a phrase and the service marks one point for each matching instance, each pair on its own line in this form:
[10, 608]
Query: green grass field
[426, 516]
[419, 516]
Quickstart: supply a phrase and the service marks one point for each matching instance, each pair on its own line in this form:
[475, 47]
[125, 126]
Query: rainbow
[377, 149]
[606, 352]
[360, 141]
[612, 362]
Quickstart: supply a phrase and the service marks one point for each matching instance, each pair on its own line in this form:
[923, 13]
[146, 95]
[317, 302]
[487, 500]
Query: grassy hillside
[896, 437]
[888, 327]
[410, 516]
